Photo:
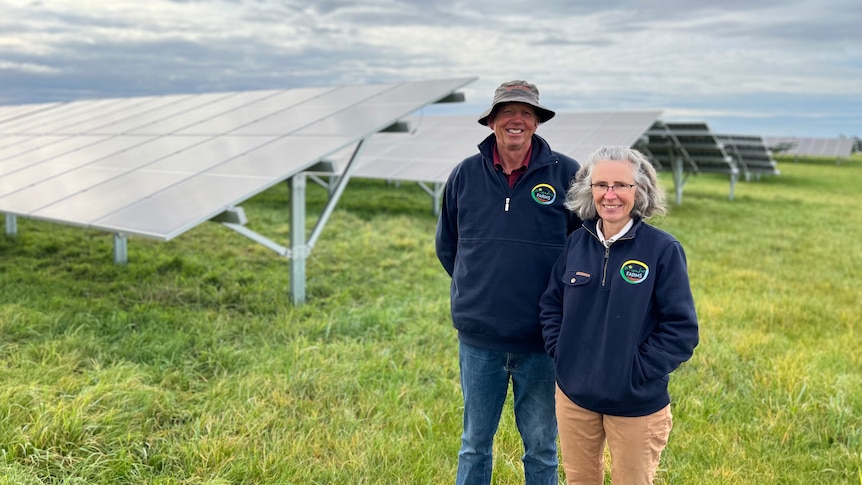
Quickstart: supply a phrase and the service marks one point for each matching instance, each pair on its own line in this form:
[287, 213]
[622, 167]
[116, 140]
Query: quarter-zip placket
[506, 189]
[605, 265]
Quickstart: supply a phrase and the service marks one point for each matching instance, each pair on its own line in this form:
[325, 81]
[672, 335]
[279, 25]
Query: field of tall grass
[190, 366]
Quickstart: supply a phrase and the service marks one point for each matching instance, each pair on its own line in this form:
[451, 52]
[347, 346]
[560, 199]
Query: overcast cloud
[790, 67]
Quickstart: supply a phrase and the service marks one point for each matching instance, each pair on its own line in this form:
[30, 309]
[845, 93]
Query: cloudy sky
[766, 67]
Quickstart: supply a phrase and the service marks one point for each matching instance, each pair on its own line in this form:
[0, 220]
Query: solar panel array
[750, 154]
[814, 147]
[685, 149]
[158, 166]
[438, 143]
[692, 142]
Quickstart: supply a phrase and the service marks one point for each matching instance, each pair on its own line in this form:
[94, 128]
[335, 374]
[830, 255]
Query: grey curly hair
[649, 196]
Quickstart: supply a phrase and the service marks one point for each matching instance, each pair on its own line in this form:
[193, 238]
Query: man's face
[514, 124]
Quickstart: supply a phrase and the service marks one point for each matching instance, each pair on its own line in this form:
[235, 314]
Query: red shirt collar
[516, 173]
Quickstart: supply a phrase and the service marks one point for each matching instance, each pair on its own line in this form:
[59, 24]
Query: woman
[617, 318]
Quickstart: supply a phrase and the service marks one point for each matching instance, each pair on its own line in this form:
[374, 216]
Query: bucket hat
[517, 92]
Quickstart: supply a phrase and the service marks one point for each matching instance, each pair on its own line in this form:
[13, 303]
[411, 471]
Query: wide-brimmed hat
[518, 92]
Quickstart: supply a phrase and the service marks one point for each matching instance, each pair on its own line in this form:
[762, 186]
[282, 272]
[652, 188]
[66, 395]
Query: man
[501, 228]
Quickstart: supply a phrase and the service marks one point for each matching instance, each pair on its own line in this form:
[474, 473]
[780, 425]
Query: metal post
[121, 248]
[297, 238]
[677, 170]
[11, 225]
[438, 197]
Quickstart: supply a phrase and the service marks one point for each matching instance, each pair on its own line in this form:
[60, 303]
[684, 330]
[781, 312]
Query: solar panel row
[751, 155]
[158, 166]
[816, 147]
[438, 143]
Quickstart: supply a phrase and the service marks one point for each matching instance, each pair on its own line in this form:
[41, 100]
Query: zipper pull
[506, 208]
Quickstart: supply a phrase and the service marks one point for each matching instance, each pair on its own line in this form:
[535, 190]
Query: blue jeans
[485, 382]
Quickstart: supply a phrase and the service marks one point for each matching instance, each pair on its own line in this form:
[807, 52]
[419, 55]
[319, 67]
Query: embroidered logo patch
[544, 194]
[634, 271]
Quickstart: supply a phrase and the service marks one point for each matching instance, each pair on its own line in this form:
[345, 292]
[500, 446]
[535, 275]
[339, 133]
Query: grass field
[189, 365]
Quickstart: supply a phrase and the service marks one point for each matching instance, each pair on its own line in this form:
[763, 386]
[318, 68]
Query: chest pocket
[576, 278]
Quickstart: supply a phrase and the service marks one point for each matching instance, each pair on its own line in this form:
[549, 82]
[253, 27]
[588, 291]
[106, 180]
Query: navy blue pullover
[619, 320]
[499, 243]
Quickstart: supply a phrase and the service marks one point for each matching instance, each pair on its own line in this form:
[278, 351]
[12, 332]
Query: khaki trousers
[635, 444]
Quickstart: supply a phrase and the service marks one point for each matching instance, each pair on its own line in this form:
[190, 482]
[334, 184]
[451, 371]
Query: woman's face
[614, 206]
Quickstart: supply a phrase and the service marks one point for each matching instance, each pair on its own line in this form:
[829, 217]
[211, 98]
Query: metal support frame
[300, 246]
[436, 193]
[734, 176]
[679, 157]
[679, 179]
[121, 248]
[11, 224]
[335, 195]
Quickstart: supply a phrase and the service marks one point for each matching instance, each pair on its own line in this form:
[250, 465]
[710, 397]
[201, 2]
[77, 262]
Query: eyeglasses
[618, 189]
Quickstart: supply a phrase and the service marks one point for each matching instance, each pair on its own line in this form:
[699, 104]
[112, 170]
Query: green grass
[190, 366]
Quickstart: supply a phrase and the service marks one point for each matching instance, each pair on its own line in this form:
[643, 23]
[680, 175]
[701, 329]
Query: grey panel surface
[818, 147]
[48, 186]
[150, 150]
[70, 114]
[8, 141]
[14, 113]
[86, 206]
[25, 144]
[158, 166]
[153, 118]
[71, 150]
[256, 110]
[241, 103]
[20, 173]
[61, 199]
[438, 143]
[281, 157]
[166, 215]
[123, 112]
[207, 155]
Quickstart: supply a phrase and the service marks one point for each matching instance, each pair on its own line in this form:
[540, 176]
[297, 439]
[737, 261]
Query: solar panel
[812, 147]
[158, 166]
[687, 148]
[438, 143]
[12, 113]
[750, 154]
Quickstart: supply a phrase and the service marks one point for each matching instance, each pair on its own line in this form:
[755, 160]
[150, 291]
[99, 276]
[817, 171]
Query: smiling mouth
[514, 131]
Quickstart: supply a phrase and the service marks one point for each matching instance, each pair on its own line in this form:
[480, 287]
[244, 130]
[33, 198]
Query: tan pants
[635, 444]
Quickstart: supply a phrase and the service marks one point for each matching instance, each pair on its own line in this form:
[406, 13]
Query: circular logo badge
[544, 194]
[634, 271]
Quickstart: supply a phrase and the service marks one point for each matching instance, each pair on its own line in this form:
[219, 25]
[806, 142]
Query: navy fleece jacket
[499, 243]
[619, 320]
